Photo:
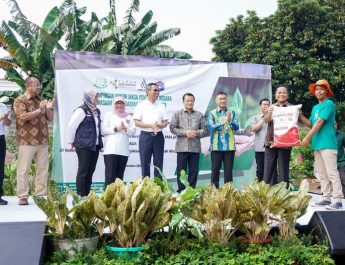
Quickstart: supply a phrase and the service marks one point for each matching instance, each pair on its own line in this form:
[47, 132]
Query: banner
[127, 76]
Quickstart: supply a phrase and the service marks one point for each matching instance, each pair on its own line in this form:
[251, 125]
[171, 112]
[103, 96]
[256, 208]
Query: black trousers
[2, 162]
[151, 145]
[115, 166]
[217, 158]
[260, 162]
[191, 160]
[274, 156]
[87, 161]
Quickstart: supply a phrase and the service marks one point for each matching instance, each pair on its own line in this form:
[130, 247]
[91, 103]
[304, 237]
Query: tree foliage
[31, 48]
[303, 41]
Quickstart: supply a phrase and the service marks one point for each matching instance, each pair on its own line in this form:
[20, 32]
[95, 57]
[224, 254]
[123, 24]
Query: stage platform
[20, 213]
[31, 213]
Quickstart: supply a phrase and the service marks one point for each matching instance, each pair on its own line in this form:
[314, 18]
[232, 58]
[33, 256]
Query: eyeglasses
[38, 86]
[155, 90]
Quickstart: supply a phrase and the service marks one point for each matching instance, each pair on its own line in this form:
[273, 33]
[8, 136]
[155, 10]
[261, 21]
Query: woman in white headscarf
[85, 136]
[117, 127]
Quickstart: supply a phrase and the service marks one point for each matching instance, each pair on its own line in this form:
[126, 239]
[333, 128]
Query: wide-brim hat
[323, 83]
[119, 98]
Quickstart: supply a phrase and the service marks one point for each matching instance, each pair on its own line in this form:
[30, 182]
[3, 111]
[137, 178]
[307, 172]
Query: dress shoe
[23, 201]
[3, 202]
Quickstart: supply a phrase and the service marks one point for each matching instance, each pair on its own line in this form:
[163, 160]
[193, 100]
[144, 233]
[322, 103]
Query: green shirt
[325, 137]
[341, 144]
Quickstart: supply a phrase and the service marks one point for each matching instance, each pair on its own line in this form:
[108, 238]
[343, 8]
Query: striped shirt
[222, 132]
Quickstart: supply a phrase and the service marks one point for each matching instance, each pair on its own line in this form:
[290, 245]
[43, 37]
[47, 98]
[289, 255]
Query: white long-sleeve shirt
[77, 117]
[117, 143]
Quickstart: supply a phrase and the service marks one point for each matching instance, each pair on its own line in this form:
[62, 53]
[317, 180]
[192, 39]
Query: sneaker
[321, 203]
[335, 206]
[3, 202]
[23, 201]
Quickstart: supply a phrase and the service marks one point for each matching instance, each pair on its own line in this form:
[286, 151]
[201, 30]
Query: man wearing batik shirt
[222, 123]
[32, 116]
[189, 126]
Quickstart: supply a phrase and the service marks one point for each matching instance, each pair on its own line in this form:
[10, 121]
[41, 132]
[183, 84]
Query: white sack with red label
[285, 120]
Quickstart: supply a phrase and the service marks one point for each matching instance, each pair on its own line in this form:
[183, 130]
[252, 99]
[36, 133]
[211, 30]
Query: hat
[119, 99]
[323, 83]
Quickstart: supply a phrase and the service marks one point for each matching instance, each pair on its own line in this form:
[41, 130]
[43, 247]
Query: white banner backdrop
[113, 75]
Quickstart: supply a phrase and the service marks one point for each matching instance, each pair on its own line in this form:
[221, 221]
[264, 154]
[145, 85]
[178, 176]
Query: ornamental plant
[133, 211]
[259, 206]
[295, 208]
[66, 222]
[216, 211]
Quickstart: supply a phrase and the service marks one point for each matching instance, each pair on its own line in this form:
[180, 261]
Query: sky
[197, 19]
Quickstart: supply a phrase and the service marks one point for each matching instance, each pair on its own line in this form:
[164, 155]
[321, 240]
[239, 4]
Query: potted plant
[132, 212]
[215, 210]
[70, 228]
[259, 206]
[297, 206]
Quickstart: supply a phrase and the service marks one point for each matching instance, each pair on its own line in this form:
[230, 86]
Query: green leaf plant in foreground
[132, 211]
[67, 222]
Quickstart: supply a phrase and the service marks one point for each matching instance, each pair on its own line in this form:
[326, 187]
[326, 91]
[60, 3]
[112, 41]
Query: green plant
[10, 179]
[300, 40]
[216, 211]
[67, 222]
[260, 205]
[132, 211]
[31, 48]
[295, 208]
[302, 162]
[295, 251]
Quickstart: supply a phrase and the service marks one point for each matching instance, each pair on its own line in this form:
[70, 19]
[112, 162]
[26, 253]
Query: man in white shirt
[4, 120]
[150, 115]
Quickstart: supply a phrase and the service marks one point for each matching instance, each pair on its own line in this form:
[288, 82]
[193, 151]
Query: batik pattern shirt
[183, 121]
[222, 132]
[34, 131]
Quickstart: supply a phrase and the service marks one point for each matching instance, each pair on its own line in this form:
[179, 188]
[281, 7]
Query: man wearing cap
[150, 115]
[32, 116]
[324, 144]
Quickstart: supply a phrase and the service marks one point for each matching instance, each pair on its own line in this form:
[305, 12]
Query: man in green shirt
[324, 145]
[341, 156]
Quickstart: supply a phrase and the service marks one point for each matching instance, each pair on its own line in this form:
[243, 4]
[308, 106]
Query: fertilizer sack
[285, 120]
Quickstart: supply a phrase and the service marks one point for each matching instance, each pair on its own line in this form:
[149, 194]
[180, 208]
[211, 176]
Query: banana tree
[132, 38]
[31, 48]
[32, 52]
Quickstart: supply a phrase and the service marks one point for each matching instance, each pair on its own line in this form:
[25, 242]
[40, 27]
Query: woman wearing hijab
[85, 136]
[117, 127]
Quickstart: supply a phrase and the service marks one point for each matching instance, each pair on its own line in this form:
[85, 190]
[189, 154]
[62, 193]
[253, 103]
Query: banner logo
[101, 83]
[160, 85]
